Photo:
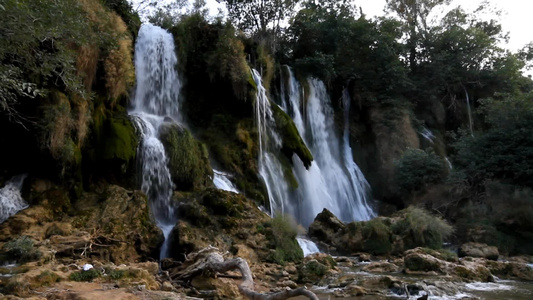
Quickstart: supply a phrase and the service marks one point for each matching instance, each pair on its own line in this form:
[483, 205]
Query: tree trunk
[210, 261]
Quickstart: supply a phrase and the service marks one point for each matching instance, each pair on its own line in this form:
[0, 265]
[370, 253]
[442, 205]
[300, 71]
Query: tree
[260, 16]
[414, 14]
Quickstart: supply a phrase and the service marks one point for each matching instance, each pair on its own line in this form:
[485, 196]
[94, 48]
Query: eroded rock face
[113, 226]
[479, 250]
[219, 218]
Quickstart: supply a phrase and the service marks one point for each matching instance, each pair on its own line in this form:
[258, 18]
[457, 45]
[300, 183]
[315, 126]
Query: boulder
[326, 227]
[417, 261]
[479, 250]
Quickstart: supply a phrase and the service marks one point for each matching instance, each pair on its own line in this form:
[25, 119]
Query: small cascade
[11, 200]
[308, 246]
[449, 163]
[156, 102]
[469, 110]
[427, 134]
[222, 182]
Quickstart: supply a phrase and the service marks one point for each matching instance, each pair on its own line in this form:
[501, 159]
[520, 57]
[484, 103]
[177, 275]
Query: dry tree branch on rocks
[209, 261]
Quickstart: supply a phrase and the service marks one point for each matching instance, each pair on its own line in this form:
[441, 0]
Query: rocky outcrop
[114, 225]
[218, 218]
[479, 250]
[409, 228]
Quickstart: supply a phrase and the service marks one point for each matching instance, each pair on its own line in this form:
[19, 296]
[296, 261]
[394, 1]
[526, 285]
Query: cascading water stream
[469, 110]
[270, 168]
[11, 200]
[222, 182]
[156, 102]
[333, 180]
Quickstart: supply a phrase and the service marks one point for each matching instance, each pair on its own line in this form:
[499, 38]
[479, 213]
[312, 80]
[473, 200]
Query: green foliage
[124, 9]
[21, 249]
[82, 275]
[283, 239]
[419, 228]
[46, 278]
[417, 169]
[188, 158]
[503, 152]
[377, 237]
[259, 16]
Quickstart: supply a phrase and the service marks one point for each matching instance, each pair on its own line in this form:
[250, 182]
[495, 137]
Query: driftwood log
[209, 261]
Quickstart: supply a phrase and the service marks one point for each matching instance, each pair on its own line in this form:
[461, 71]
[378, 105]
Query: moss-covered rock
[292, 142]
[188, 158]
[281, 233]
[409, 228]
[218, 218]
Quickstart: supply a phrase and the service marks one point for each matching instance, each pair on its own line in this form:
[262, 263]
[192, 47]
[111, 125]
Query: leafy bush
[46, 278]
[282, 237]
[505, 150]
[416, 169]
[418, 228]
[82, 275]
[377, 237]
[21, 249]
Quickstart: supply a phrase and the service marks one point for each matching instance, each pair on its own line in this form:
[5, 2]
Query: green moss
[46, 278]
[282, 237]
[377, 237]
[188, 158]
[82, 275]
[292, 142]
[120, 141]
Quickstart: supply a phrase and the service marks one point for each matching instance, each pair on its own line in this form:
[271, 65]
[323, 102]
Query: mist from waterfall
[156, 102]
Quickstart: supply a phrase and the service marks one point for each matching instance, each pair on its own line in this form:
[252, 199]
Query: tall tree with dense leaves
[260, 16]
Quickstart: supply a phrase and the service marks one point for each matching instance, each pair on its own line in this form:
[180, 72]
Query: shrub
[377, 237]
[46, 278]
[416, 169]
[82, 275]
[282, 236]
[21, 249]
[419, 228]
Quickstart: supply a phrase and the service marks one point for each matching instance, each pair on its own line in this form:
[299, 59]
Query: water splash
[308, 246]
[11, 200]
[222, 182]
[155, 101]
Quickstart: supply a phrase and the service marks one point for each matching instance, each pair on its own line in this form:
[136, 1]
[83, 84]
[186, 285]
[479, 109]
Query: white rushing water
[427, 134]
[11, 200]
[334, 181]
[270, 168]
[222, 182]
[156, 101]
[308, 247]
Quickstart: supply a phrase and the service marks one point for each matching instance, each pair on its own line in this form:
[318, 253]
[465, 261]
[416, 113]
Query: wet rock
[381, 267]
[479, 250]
[354, 290]
[417, 261]
[325, 227]
[510, 270]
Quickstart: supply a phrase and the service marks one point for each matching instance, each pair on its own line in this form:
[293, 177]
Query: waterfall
[427, 134]
[11, 200]
[270, 168]
[155, 101]
[469, 110]
[222, 182]
[333, 180]
[308, 247]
